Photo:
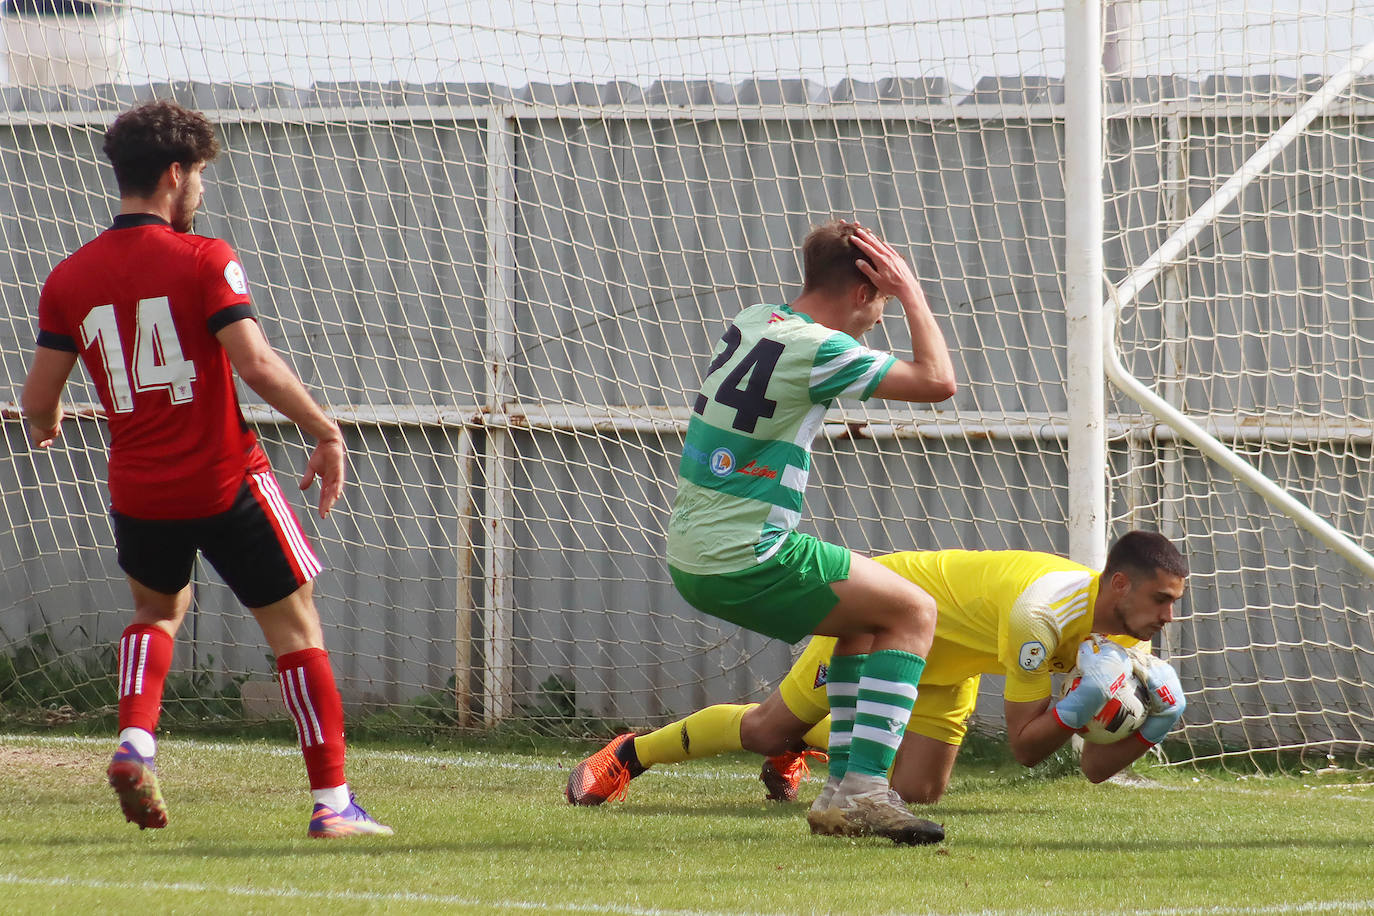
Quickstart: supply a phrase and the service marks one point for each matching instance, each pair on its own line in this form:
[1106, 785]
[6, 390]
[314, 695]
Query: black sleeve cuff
[54, 341]
[227, 316]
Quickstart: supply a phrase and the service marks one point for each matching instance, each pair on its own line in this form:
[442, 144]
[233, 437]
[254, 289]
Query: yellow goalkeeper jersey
[1019, 613]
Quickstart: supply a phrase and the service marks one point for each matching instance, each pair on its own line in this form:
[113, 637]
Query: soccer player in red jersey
[161, 318]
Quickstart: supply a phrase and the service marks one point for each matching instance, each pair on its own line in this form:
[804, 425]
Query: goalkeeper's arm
[1038, 728]
[1033, 731]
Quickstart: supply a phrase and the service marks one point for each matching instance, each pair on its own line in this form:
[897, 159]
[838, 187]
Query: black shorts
[256, 546]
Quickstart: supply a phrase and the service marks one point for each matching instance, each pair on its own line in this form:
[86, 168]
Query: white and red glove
[1101, 663]
[1166, 696]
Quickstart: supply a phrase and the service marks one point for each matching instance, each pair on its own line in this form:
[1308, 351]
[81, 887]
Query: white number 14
[158, 361]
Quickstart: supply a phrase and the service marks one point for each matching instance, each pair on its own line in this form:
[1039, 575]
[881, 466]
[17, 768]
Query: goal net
[1259, 332]
[500, 244]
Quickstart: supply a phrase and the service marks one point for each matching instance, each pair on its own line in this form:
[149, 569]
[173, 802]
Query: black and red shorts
[256, 546]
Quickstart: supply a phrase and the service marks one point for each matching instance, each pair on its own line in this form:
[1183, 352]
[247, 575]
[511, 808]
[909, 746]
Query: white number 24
[158, 361]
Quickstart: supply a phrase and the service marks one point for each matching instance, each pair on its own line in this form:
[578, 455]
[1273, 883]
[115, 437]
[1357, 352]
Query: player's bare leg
[921, 772]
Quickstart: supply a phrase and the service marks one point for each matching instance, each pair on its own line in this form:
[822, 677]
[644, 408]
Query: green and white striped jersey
[747, 454]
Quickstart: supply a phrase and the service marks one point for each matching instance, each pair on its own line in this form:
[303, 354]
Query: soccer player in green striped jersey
[733, 548]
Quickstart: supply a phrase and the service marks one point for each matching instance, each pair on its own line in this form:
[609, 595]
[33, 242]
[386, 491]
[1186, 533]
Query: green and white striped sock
[842, 689]
[887, 690]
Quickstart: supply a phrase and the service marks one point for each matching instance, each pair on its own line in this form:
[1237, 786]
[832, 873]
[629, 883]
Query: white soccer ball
[1121, 716]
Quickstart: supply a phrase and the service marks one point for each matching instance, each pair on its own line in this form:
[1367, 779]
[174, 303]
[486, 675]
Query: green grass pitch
[486, 831]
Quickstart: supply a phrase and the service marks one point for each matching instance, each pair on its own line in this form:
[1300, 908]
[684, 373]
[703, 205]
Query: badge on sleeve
[1032, 655]
[233, 275]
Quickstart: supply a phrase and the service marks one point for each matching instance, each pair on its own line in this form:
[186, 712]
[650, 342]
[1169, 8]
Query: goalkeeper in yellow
[1022, 614]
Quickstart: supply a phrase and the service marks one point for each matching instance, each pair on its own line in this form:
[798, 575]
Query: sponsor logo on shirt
[774, 318]
[722, 462]
[822, 676]
[754, 469]
[1032, 655]
[233, 275]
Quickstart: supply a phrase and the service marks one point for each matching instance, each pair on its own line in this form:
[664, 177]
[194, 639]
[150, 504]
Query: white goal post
[500, 244]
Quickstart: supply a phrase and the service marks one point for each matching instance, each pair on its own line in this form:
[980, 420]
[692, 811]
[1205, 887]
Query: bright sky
[514, 42]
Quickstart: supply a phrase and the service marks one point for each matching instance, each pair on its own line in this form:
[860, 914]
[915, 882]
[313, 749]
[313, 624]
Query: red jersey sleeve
[225, 286]
[53, 330]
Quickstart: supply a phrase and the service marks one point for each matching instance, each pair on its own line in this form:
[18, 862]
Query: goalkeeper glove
[1166, 696]
[1101, 663]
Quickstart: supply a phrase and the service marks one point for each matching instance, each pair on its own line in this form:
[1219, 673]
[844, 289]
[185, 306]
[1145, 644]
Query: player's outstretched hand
[1166, 696]
[885, 268]
[327, 462]
[1100, 663]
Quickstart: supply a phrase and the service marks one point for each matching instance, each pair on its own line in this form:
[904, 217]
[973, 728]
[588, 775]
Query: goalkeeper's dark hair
[1141, 553]
[144, 141]
[828, 256]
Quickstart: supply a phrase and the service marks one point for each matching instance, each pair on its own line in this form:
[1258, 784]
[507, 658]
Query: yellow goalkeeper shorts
[941, 711]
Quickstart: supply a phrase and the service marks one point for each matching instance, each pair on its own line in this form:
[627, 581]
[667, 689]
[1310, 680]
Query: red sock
[145, 657]
[307, 687]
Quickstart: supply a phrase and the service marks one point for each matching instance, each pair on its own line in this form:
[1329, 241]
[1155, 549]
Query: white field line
[292, 893]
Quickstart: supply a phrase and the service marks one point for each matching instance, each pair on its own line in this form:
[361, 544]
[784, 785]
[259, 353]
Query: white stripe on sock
[309, 707]
[896, 688]
[132, 647]
[123, 663]
[289, 698]
[883, 710]
[145, 639]
[878, 735]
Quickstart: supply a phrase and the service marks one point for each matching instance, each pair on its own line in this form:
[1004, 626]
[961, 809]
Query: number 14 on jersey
[158, 360]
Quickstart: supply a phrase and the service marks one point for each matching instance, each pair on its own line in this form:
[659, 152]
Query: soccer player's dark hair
[828, 256]
[1141, 553]
[144, 141]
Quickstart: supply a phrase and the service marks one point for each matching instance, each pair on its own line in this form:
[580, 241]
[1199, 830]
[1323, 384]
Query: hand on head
[882, 265]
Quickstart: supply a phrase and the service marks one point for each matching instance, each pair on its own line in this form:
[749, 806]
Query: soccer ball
[1122, 715]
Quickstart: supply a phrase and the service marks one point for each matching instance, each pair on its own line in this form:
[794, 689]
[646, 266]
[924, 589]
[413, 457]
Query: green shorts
[784, 597]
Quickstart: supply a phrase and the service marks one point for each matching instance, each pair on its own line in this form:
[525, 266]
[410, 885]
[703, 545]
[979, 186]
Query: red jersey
[141, 303]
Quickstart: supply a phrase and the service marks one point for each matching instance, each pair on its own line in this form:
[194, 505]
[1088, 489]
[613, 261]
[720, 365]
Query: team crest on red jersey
[233, 275]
